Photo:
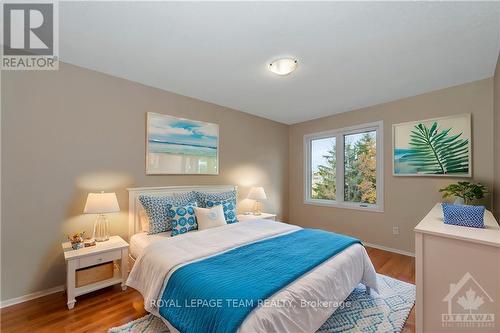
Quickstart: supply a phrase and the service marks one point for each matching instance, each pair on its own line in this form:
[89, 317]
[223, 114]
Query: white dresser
[457, 275]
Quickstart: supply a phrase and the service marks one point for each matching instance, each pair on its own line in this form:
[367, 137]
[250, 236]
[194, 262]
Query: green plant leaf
[437, 152]
[468, 191]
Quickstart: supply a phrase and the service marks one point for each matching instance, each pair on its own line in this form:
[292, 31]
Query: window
[344, 167]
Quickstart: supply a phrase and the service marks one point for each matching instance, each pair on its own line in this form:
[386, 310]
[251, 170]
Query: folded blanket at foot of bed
[216, 294]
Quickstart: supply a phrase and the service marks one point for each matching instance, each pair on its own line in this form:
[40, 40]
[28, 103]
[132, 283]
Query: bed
[302, 305]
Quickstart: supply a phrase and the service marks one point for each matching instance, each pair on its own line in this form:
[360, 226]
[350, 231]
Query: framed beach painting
[181, 146]
[433, 147]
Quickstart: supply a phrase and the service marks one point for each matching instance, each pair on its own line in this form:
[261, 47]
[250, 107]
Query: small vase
[77, 246]
[459, 201]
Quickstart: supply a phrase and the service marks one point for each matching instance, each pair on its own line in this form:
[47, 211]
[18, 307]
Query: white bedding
[140, 241]
[330, 282]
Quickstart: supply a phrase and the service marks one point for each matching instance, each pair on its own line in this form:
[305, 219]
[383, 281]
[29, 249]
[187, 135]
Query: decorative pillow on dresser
[158, 210]
[464, 215]
[210, 217]
[183, 219]
[225, 199]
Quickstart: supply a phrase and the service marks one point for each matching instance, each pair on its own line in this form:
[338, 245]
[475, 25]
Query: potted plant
[77, 240]
[464, 192]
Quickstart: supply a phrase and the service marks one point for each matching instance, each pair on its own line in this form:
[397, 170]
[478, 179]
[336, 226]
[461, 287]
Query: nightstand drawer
[100, 258]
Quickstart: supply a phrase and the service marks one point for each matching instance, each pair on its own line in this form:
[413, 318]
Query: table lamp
[101, 203]
[257, 194]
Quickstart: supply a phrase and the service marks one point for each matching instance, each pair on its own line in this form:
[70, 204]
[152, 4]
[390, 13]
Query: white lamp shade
[101, 203]
[257, 193]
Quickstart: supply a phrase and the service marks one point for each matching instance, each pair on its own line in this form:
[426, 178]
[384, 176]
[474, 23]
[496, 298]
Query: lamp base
[101, 228]
[256, 208]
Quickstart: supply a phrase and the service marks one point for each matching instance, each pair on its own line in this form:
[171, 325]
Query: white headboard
[134, 206]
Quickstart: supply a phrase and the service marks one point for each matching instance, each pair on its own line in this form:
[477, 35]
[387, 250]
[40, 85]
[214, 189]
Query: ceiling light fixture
[283, 66]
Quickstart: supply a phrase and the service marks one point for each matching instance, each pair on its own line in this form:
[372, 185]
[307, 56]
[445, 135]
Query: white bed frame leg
[368, 289]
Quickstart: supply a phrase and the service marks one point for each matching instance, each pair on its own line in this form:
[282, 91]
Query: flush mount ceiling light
[283, 66]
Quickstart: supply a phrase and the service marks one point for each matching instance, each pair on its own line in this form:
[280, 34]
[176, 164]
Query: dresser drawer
[100, 258]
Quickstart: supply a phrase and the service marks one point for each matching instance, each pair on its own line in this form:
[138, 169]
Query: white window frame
[339, 141]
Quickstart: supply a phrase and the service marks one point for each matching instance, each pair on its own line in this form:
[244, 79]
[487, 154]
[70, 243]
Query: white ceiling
[350, 55]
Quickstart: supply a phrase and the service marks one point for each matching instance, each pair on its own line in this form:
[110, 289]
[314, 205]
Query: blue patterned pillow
[226, 199]
[187, 197]
[229, 207]
[203, 197]
[158, 210]
[464, 215]
[183, 219]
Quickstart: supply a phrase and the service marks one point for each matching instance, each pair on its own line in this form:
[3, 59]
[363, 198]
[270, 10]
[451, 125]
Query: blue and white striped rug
[378, 313]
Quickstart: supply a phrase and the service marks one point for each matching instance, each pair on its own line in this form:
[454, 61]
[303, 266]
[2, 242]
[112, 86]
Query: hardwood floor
[397, 266]
[101, 310]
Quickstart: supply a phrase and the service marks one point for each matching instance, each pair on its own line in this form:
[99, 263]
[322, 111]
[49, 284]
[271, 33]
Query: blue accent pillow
[158, 210]
[226, 199]
[203, 197]
[187, 197]
[464, 215]
[183, 219]
[229, 207]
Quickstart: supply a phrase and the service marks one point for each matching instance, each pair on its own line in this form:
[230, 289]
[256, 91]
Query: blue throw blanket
[217, 294]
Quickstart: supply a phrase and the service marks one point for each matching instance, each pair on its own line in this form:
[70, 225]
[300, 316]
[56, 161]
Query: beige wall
[496, 102]
[68, 132]
[407, 199]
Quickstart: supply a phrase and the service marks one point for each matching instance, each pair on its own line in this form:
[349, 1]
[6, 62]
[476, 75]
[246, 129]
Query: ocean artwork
[181, 146]
[433, 147]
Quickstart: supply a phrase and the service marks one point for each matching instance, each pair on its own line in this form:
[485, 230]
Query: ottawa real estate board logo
[30, 39]
[469, 305]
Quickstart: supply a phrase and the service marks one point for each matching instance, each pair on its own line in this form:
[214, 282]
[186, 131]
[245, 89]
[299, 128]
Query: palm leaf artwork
[437, 152]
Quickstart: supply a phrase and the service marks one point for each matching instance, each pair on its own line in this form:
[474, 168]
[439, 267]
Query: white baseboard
[25, 298]
[390, 249]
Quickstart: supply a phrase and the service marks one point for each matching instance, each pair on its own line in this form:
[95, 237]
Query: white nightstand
[114, 250]
[264, 216]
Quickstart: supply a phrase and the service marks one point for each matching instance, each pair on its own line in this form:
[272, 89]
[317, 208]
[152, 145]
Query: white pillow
[210, 217]
[144, 220]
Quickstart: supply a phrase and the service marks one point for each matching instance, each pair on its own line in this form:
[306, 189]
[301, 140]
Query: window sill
[345, 205]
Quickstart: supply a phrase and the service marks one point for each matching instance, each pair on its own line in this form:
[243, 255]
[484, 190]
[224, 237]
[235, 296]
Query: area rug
[381, 312]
